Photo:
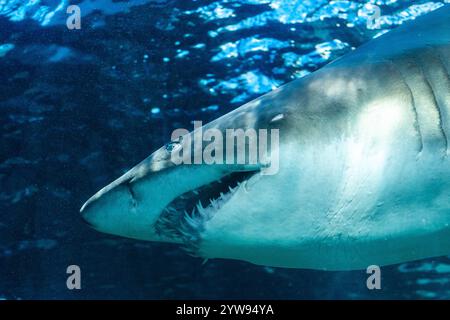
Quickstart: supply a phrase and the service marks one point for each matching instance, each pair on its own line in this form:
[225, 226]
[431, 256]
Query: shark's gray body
[364, 167]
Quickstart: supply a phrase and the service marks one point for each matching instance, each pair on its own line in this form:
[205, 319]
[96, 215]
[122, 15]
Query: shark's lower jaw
[184, 217]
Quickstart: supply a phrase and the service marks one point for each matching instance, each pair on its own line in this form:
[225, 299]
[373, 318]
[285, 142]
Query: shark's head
[155, 199]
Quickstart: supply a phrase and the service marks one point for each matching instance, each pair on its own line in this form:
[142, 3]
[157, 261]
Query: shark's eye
[171, 146]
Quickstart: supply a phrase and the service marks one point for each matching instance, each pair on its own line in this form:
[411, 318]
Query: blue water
[80, 107]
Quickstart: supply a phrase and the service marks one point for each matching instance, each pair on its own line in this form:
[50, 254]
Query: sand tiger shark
[364, 169]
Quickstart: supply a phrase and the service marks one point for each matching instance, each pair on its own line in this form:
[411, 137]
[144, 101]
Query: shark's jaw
[184, 217]
[170, 204]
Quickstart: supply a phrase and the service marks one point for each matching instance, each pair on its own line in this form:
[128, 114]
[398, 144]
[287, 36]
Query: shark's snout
[109, 208]
[130, 205]
[151, 200]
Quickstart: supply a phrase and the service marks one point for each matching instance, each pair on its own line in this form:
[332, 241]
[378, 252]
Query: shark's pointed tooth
[171, 210]
[214, 204]
[190, 221]
[200, 209]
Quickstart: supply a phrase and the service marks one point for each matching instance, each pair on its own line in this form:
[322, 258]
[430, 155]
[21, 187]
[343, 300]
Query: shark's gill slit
[413, 104]
[185, 215]
[435, 103]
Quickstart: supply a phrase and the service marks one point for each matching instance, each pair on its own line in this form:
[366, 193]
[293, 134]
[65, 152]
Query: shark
[364, 168]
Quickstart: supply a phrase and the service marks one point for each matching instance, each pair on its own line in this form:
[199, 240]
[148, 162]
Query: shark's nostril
[132, 194]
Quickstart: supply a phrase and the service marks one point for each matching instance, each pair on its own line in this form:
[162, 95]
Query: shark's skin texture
[364, 166]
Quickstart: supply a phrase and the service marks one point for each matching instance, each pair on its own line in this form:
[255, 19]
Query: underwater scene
[88, 89]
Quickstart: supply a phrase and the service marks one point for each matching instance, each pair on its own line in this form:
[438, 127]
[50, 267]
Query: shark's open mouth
[184, 216]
